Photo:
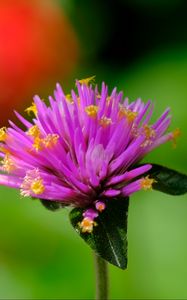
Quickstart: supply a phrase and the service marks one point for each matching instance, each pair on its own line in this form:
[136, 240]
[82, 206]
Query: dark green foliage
[109, 237]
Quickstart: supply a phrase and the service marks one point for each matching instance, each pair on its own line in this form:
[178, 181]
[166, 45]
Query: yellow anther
[127, 113]
[8, 164]
[32, 183]
[50, 140]
[78, 101]
[175, 134]
[31, 108]
[3, 134]
[4, 150]
[108, 99]
[34, 131]
[87, 81]
[92, 110]
[69, 98]
[38, 144]
[149, 131]
[87, 225]
[100, 207]
[146, 183]
[150, 134]
[104, 121]
[37, 186]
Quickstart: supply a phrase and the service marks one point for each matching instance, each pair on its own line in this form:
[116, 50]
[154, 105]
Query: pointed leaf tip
[109, 237]
[168, 181]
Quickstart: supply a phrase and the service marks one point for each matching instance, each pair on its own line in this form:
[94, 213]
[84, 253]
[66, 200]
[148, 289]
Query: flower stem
[101, 271]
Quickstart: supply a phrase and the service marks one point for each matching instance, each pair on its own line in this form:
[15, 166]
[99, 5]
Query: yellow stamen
[38, 144]
[87, 225]
[87, 81]
[32, 109]
[8, 164]
[34, 131]
[150, 134]
[78, 101]
[100, 207]
[69, 98]
[149, 131]
[129, 114]
[32, 183]
[3, 134]
[146, 183]
[37, 186]
[175, 134]
[92, 110]
[104, 121]
[50, 140]
[4, 150]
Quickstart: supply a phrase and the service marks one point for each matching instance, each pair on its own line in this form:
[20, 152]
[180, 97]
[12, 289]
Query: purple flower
[82, 149]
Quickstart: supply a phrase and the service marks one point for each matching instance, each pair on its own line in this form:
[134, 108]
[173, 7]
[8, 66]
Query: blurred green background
[140, 46]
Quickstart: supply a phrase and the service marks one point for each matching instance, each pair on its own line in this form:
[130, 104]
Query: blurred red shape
[37, 47]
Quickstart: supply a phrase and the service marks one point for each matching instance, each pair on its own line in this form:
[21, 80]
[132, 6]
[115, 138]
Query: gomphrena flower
[83, 149]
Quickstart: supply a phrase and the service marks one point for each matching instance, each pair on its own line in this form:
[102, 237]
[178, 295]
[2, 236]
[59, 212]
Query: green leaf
[168, 181]
[109, 237]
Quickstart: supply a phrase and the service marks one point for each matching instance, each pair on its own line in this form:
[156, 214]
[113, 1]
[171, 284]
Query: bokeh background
[140, 46]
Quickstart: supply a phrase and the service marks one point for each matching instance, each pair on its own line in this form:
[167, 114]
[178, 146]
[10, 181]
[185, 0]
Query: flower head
[83, 149]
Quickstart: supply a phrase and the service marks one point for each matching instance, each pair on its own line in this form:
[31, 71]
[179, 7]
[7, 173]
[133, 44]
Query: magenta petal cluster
[81, 149]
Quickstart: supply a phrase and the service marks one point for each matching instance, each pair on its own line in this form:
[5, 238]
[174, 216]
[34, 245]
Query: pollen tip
[7, 163]
[105, 122]
[87, 225]
[50, 140]
[32, 109]
[38, 143]
[147, 182]
[127, 113]
[91, 110]
[32, 183]
[100, 206]
[69, 99]
[87, 81]
[37, 186]
[33, 131]
[175, 134]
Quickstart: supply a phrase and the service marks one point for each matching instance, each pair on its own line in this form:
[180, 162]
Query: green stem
[101, 271]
